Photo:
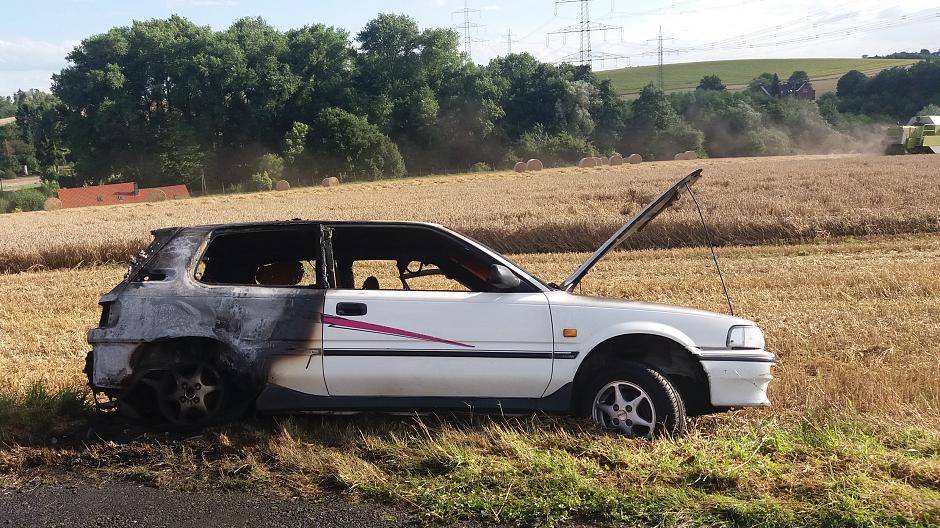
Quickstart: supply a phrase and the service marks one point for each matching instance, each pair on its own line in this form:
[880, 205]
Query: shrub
[481, 167]
[272, 165]
[259, 181]
[28, 199]
[553, 150]
[677, 137]
[50, 188]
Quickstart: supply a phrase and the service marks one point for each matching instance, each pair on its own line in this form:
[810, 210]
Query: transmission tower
[584, 29]
[660, 77]
[509, 41]
[467, 26]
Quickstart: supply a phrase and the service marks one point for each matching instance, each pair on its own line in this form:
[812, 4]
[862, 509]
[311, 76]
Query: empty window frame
[404, 257]
[271, 257]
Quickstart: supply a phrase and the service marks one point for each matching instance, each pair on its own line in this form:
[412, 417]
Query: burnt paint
[255, 323]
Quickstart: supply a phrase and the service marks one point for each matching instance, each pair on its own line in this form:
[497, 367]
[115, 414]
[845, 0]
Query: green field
[736, 74]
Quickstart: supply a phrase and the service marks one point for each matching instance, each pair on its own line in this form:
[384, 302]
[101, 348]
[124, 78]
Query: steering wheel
[405, 272]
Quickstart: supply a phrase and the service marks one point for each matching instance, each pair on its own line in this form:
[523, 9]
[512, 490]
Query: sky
[36, 35]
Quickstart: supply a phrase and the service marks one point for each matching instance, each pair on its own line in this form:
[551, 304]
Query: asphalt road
[123, 504]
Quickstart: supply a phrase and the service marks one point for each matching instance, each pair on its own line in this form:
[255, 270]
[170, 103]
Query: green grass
[736, 74]
[743, 469]
[40, 414]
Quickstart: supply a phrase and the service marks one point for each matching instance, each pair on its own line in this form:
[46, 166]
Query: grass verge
[39, 413]
[742, 469]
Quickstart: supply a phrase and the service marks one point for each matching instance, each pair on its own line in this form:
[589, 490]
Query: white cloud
[11, 81]
[26, 54]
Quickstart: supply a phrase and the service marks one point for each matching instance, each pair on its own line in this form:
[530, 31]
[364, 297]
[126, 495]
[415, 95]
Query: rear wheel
[634, 400]
[190, 395]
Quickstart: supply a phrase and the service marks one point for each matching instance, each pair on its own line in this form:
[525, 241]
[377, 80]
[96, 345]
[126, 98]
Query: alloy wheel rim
[188, 394]
[625, 407]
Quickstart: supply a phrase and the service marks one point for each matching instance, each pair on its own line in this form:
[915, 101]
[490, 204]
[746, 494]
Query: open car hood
[638, 222]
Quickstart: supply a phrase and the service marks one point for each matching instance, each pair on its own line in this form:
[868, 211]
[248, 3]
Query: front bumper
[738, 378]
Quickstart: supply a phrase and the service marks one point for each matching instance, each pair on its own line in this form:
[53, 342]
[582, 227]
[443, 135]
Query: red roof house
[118, 193]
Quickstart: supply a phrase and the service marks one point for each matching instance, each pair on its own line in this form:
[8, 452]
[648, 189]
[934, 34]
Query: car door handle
[351, 309]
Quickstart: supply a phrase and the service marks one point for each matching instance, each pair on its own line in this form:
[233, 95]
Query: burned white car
[311, 316]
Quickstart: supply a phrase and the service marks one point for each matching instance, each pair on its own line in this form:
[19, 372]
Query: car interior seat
[371, 283]
[287, 273]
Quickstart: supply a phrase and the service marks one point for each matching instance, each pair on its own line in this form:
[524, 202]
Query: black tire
[662, 406]
[162, 368]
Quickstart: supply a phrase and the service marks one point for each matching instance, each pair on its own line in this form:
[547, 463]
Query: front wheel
[634, 400]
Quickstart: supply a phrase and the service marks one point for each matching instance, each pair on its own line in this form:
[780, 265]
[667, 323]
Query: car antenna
[708, 238]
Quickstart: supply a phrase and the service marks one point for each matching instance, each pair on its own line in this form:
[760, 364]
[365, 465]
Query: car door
[460, 344]
[261, 285]
[437, 344]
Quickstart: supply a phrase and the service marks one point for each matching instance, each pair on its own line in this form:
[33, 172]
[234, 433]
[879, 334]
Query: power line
[585, 29]
[467, 27]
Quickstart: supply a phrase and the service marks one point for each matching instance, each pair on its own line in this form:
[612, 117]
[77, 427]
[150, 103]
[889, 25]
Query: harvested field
[854, 322]
[748, 201]
[852, 439]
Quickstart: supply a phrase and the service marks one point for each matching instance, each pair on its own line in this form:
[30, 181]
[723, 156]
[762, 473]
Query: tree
[323, 60]
[929, 110]
[652, 109]
[798, 78]
[349, 145]
[767, 81]
[711, 82]
[7, 106]
[851, 84]
[294, 141]
[656, 129]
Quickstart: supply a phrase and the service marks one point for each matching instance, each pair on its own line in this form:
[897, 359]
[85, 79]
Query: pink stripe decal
[349, 324]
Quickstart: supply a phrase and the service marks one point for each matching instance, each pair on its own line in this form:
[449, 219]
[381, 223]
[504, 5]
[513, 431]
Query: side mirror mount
[502, 279]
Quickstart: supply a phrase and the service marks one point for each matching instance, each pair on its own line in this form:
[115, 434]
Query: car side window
[405, 257]
[262, 257]
[386, 275]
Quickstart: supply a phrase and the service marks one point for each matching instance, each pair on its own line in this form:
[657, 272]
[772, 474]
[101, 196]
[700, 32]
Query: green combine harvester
[921, 135]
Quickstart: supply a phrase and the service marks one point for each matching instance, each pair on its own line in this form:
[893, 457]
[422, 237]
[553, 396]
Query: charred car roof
[288, 223]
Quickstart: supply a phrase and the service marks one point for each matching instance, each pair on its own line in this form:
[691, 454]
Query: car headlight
[745, 337]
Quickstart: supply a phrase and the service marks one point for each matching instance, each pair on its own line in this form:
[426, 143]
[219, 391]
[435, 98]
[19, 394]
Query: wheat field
[853, 322]
[836, 257]
[747, 201]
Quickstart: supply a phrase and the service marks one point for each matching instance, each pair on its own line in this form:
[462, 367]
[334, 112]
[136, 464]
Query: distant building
[802, 90]
[119, 193]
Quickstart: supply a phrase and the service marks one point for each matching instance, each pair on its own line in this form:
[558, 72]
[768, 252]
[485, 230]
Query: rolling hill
[825, 73]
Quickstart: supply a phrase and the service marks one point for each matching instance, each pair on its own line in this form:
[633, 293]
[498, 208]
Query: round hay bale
[52, 204]
[332, 181]
[634, 159]
[587, 163]
[603, 160]
[691, 155]
[520, 167]
[534, 165]
[282, 185]
[156, 195]
[616, 160]
[679, 156]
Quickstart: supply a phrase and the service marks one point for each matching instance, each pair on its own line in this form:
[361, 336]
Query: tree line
[167, 101]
